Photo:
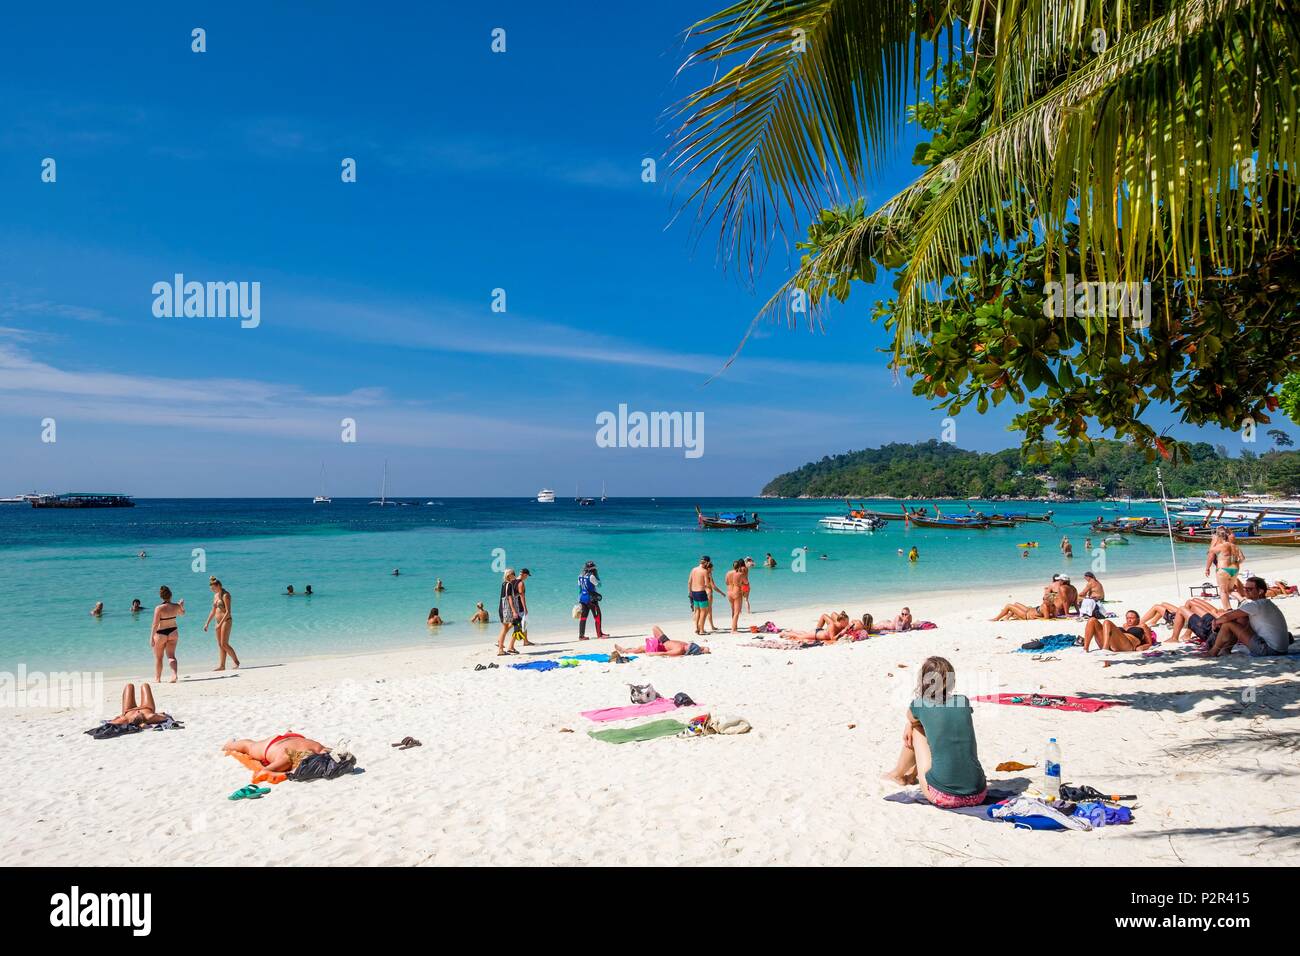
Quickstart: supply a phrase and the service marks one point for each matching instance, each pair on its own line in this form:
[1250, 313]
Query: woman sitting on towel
[145, 713]
[658, 644]
[939, 751]
[278, 754]
[1133, 636]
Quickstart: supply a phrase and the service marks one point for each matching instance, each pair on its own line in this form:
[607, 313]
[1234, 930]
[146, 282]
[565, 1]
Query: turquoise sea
[55, 564]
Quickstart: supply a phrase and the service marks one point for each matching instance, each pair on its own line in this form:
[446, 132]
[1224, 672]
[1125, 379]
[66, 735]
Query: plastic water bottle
[1052, 772]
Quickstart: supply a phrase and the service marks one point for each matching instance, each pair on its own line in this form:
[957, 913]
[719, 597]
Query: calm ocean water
[55, 564]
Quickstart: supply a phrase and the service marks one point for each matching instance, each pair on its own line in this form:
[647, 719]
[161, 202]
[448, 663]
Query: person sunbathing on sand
[1160, 613]
[659, 644]
[829, 628]
[1193, 607]
[278, 754]
[901, 623]
[1016, 611]
[939, 750]
[1133, 636]
[145, 713]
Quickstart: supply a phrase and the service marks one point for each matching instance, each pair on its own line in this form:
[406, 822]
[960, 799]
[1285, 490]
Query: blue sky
[476, 171]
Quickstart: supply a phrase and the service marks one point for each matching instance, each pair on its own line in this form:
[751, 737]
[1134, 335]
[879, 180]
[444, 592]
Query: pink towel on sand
[1088, 705]
[659, 706]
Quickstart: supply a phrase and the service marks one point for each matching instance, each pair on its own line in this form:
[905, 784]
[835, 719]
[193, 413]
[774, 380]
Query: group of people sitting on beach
[835, 626]
[1257, 623]
[1060, 599]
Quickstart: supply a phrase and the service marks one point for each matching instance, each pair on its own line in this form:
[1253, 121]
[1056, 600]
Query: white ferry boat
[546, 496]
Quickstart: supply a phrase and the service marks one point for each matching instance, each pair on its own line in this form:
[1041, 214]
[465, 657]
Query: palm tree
[1131, 123]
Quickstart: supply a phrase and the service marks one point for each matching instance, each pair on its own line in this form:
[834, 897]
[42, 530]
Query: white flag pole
[1169, 527]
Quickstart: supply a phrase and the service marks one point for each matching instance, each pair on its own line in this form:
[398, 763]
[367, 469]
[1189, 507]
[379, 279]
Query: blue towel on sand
[536, 666]
[602, 658]
[1052, 642]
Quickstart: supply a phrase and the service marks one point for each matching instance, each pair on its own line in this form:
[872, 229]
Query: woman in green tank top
[939, 751]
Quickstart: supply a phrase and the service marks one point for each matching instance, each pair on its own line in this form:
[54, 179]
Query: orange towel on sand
[260, 773]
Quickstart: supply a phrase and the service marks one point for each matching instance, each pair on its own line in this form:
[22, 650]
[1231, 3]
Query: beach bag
[322, 767]
[643, 693]
[577, 611]
[1201, 625]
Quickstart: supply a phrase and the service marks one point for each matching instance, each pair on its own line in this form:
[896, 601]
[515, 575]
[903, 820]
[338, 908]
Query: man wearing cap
[1059, 596]
[589, 600]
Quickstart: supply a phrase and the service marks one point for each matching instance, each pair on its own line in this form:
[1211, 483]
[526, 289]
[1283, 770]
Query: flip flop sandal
[250, 793]
[406, 743]
[1044, 658]
[493, 667]
[480, 667]
[512, 652]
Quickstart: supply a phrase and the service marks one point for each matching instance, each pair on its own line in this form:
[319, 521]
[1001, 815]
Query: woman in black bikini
[1133, 636]
[164, 632]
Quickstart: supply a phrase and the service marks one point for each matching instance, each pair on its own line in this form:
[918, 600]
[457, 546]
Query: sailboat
[322, 498]
[602, 492]
[577, 496]
[383, 490]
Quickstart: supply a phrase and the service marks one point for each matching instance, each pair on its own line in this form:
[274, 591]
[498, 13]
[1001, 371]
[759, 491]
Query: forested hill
[1116, 469]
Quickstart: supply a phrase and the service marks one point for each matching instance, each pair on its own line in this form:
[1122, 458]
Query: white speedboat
[546, 496]
[845, 523]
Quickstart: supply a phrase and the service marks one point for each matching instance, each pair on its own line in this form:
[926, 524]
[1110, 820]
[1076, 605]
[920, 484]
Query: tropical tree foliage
[936, 469]
[1128, 142]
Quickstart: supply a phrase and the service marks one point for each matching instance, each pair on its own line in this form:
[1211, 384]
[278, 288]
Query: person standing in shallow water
[222, 607]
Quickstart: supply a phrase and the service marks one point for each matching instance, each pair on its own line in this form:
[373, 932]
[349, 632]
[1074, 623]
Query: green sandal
[249, 793]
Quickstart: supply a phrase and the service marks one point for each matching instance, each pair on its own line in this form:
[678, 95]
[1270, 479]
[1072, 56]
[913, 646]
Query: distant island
[1116, 469]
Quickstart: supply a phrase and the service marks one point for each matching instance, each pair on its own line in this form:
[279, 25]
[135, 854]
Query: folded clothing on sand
[537, 666]
[1032, 814]
[660, 706]
[650, 731]
[1088, 705]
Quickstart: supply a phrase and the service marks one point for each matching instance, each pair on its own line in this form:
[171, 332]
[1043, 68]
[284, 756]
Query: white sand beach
[1209, 747]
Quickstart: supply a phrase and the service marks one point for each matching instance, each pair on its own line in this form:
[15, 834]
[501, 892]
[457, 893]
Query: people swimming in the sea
[97, 610]
[939, 750]
[136, 606]
[307, 591]
[288, 590]
[438, 585]
[434, 617]
[278, 754]
[143, 554]
[165, 632]
[1133, 636]
[769, 561]
[480, 615]
[396, 571]
[144, 713]
[1067, 549]
[659, 644]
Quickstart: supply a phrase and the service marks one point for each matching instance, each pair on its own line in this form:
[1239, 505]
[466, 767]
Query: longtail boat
[961, 523]
[744, 520]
